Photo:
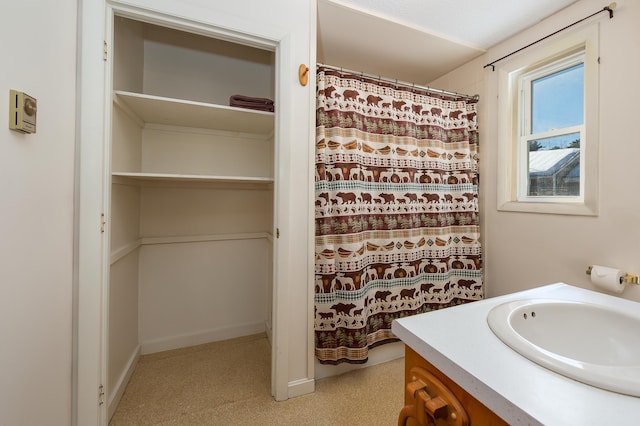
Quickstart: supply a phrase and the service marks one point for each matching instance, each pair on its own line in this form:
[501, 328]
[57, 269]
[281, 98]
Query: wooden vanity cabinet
[476, 413]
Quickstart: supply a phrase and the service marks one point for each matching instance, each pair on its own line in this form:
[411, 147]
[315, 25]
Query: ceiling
[418, 41]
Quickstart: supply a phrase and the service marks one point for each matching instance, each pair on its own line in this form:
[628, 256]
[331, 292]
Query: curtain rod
[403, 83]
[604, 9]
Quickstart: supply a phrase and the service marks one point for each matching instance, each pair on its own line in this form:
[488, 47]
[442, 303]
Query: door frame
[91, 257]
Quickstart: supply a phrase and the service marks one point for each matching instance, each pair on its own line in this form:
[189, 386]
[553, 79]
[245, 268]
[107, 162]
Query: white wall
[36, 230]
[198, 292]
[524, 250]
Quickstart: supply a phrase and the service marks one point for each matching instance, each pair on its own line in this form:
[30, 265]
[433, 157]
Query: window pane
[554, 166]
[557, 100]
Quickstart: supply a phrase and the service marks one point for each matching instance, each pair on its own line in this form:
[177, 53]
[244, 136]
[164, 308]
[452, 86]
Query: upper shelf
[192, 178]
[178, 112]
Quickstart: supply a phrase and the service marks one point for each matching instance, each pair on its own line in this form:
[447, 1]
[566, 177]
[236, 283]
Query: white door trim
[89, 371]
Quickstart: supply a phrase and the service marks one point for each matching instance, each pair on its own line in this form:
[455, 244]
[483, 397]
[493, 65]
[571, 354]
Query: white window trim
[508, 124]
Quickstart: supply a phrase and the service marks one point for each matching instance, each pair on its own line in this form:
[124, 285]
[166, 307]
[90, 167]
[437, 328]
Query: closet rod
[604, 9]
[403, 83]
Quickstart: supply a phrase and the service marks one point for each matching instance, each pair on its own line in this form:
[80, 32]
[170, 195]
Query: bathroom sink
[587, 342]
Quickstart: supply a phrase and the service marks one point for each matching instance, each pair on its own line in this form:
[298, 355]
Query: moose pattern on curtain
[396, 210]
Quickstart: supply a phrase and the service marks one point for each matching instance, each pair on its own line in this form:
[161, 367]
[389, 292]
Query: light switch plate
[22, 112]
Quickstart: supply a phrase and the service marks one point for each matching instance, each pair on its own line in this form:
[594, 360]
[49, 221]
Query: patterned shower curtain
[396, 210]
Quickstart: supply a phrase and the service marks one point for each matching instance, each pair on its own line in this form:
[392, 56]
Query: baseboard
[199, 338]
[269, 330]
[118, 389]
[301, 387]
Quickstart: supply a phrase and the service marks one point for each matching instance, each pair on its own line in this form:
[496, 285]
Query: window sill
[577, 209]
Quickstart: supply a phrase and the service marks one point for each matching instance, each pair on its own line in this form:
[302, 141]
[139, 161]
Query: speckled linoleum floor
[228, 383]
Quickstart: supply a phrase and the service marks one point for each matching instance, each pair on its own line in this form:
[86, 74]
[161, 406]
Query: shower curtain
[396, 210]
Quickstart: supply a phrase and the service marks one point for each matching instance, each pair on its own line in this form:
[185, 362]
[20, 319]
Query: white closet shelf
[191, 178]
[178, 112]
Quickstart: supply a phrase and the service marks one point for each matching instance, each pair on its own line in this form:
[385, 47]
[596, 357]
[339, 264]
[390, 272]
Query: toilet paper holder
[627, 278]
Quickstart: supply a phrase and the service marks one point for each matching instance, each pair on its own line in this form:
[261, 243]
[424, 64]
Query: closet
[191, 196]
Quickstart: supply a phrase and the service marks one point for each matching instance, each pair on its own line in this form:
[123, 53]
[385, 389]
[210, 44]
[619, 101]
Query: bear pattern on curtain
[396, 210]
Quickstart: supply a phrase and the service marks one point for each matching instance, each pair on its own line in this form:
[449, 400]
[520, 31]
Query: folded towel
[261, 104]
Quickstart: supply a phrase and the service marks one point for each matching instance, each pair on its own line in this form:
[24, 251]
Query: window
[548, 128]
[551, 126]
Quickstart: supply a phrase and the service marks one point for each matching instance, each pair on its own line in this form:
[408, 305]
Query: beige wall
[524, 250]
[36, 207]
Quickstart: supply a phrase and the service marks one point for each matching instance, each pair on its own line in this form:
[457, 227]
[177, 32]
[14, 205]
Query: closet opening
[190, 201]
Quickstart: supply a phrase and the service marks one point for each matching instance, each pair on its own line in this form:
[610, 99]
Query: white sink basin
[586, 342]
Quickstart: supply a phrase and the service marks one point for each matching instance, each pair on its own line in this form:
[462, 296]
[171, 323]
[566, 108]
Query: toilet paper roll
[609, 279]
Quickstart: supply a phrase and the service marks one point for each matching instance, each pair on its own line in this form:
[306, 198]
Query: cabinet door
[478, 414]
[429, 402]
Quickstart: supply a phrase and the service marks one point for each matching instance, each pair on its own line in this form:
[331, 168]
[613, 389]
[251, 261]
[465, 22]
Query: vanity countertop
[459, 342]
